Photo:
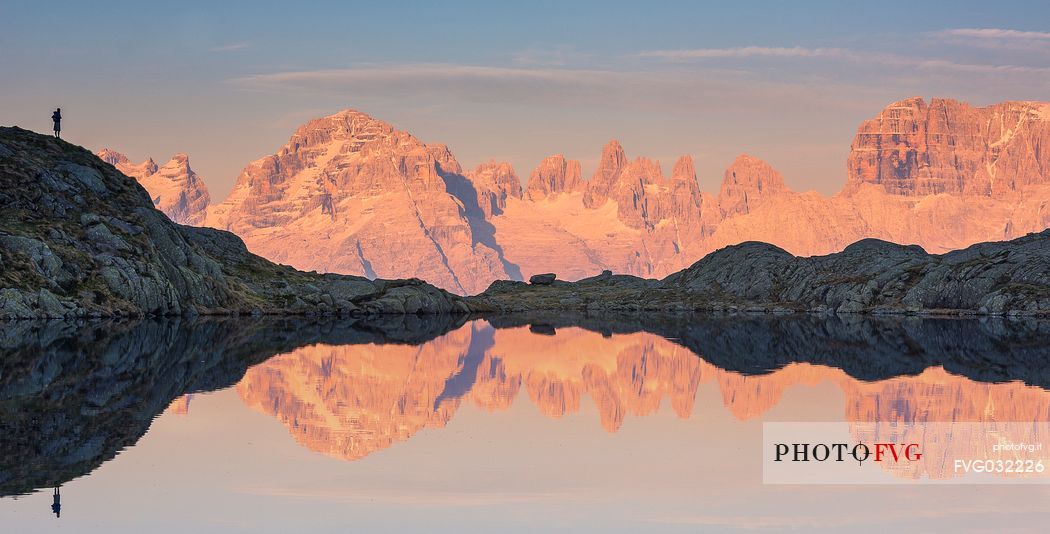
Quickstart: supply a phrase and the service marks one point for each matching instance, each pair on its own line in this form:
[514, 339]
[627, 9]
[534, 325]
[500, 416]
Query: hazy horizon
[228, 84]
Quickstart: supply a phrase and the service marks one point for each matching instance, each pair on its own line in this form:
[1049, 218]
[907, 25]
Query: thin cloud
[948, 65]
[667, 89]
[743, 51]
[422, 71]
[670, 86]
[556, 57]
[997, 39]
[976, 68]
[441, 81]
[230, 47]
[841, 54]
[996, 33]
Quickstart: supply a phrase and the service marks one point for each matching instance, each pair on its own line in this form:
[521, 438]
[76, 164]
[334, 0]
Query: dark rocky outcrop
[78, 238]
[544, 279]
[870, 276]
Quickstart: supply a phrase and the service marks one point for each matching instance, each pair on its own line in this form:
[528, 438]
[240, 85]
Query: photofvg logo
[838, 452]
[904, 453]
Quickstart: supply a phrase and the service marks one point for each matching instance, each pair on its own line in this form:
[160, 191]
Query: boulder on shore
[544, 279]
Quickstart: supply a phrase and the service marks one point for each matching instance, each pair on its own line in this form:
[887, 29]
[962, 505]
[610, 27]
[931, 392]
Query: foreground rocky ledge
[78, 238]
[870, 276]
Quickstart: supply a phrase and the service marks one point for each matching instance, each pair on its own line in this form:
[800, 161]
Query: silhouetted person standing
[56, 507]
[57, 117]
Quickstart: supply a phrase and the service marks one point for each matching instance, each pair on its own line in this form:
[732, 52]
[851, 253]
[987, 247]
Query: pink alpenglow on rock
[913, 148]
[352, 194]
[174, 187]
[554, 175]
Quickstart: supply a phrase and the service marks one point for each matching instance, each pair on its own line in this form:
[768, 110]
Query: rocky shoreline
[868, 277]
[80, 239]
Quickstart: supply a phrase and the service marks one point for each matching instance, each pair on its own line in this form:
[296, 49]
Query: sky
[789, 82]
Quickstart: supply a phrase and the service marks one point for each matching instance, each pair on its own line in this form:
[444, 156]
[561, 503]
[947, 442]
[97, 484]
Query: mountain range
[351, 194]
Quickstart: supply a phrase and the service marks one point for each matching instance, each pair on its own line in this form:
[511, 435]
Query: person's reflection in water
[56, 506]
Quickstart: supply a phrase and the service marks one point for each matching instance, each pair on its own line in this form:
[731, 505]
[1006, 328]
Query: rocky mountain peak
[912, 148]
[327, 161]
[686, 198]
[644, 170]
[494, 182]
[125, 166]
[640, 193]
[553, 175]
[364, 196]
[178, 191]
[343, 134]
[178, 167]
[613, 155]
[446, 162]
[684, 169]
[746, 183]
[611, 164]
[174, 187]
[112, 156]
[346, 124]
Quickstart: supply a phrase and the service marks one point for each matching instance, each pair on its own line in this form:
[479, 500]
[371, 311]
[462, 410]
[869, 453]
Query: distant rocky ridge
[352, 194]
[175, 188]
[78, 238]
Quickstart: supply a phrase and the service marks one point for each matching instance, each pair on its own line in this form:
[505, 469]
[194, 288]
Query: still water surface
[504, 423]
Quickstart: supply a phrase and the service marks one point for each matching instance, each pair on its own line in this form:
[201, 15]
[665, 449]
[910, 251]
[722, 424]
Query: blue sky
[785, 81]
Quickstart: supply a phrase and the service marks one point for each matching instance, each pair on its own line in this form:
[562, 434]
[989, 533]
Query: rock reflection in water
[73, 395]
[348, 402]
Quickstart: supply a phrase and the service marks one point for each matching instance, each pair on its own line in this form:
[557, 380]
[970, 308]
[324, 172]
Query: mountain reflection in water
[73, 395]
